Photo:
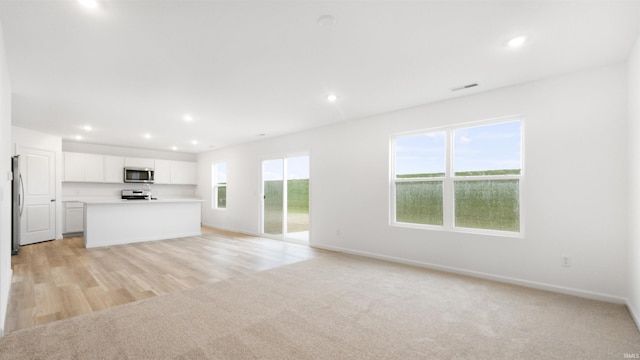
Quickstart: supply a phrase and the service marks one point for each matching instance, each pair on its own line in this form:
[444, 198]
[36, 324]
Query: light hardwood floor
[60, 279]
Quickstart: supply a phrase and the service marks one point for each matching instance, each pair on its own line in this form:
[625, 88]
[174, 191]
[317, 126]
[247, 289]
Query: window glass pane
[488, 150]
[272, 174]
[220, 185]
[421, 155]
[221, 196]
[298, 197]
[488, 204]
[221, 173]
[419, 202]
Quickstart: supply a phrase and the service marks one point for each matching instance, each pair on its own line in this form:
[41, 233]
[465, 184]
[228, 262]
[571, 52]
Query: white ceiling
[244, 68]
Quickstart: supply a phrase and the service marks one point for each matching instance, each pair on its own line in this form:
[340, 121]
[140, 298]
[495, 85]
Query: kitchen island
[114, 222]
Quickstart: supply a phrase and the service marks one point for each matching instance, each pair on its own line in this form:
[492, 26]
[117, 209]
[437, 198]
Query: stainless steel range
[134, 194]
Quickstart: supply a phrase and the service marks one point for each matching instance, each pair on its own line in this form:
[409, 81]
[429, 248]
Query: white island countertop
[109, 221]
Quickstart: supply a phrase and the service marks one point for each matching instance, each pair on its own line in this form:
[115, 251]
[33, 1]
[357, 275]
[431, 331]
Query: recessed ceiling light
[187, 118]
[517, 41]
[147, 136]
[78, 137]
[326, 20]
[87, 128]
[332, 98]
[174, 148]
[194, 142]
[91, 4]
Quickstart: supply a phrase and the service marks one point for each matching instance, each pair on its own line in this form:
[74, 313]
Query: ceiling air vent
[464, 87]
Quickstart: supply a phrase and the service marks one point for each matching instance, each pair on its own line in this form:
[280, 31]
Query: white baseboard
[499, 278]
[505, 279]
[634, 314]
[225, 228]
[4, 298]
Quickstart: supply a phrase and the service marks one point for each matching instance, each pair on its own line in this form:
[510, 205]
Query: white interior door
[38, 218]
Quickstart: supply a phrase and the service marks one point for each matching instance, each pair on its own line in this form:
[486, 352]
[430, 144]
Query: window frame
[215, 186]
[449, 179]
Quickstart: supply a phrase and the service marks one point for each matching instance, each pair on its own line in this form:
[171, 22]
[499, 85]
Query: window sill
[460, 230]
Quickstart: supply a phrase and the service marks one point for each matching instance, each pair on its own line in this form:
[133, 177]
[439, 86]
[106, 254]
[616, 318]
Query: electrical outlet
[337, 232]
[565, 261]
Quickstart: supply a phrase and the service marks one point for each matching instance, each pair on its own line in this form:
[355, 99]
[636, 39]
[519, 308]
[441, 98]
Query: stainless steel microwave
[138, 175]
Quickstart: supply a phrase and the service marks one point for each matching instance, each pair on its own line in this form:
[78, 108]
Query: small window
[459, 177]
[219, 177]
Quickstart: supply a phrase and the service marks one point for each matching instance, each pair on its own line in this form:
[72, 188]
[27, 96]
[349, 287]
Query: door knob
[53, 200]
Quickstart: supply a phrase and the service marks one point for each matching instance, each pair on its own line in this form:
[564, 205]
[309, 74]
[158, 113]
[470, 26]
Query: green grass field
[297, 206]
[481, 204]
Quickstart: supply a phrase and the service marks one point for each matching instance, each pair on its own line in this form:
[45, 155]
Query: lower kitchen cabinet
[73, 217]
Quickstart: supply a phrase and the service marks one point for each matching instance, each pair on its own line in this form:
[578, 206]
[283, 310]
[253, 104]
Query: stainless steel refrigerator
[17, 203]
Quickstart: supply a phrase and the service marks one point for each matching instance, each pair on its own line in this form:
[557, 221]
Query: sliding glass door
[273, 194]
[285, 189]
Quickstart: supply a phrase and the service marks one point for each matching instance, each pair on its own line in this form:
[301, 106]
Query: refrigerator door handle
[21, 195]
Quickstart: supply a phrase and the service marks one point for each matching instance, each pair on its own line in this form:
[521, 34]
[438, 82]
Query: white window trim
[449, 179]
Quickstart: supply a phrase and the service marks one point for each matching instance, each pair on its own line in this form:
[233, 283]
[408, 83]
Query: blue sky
[487, 147]
[297, 168]
[221, 172]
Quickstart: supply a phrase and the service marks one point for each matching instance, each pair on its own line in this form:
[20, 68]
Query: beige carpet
[341, 307]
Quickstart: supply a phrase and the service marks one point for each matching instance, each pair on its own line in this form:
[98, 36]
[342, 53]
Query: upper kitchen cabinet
[184, 172]
[73, 166]
[139, 162]
[175, 172]
[162, 173]
[93, 168]
[83, 167]
[80, 167]
[113, 169]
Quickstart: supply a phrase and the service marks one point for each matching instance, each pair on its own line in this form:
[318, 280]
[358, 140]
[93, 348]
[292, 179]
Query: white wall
[634, 180]
[72, 191]
[243, 180]
[5, 184]
[575, 198]
[75, 146]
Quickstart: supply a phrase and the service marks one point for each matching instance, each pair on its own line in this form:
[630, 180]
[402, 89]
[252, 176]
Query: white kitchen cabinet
[73, 166]
[162, 172]
[139, 162]
[183, 172]
[73, 217]
[93, 168]
[82, 167]
[113, 169]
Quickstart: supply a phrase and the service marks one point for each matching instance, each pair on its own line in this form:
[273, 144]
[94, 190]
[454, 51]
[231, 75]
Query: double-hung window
[219, 183]
[467, 177]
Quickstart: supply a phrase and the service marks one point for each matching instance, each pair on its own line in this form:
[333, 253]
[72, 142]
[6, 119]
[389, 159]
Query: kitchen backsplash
[77, 191]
